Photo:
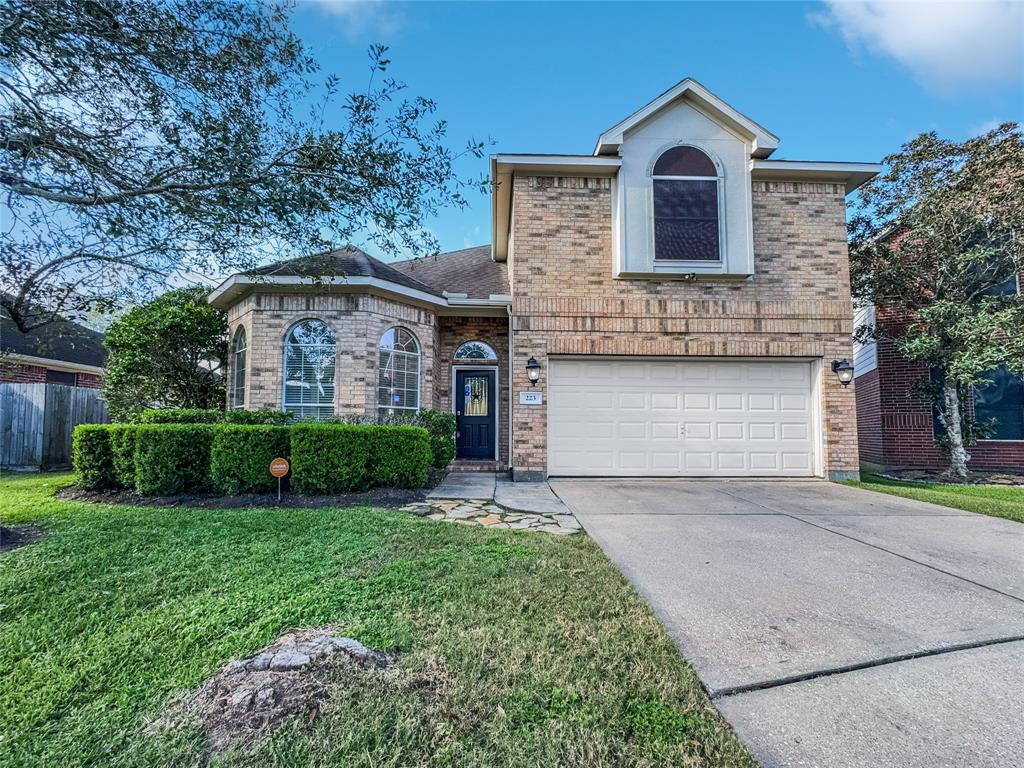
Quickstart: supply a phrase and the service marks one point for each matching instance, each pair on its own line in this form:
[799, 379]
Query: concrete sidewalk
[832, 626]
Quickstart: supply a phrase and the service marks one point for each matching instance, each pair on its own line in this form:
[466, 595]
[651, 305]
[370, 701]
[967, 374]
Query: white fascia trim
[852, 175]
[557, 164]
[237, 283]
[56, 365]
[764, 141]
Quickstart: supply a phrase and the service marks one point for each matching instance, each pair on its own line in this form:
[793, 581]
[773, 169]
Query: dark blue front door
[475, 414]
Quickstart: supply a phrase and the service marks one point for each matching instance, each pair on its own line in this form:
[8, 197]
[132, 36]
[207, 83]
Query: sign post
[279, 468]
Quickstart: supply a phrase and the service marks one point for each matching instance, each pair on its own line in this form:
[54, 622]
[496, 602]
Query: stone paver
[490, 515]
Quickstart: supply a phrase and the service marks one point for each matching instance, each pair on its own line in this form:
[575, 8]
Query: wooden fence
[36, 422]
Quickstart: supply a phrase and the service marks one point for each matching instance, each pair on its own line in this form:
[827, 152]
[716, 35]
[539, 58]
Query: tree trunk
[958, 456]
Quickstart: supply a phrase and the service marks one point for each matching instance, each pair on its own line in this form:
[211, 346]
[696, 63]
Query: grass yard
[997, 501]
[514, 649]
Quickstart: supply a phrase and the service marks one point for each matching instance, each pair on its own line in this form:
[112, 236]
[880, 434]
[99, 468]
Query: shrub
[91, 456]
[330, 458]
[172, 458]
[262, 416]
[399, 456]
[441, 426]
[240, 456]
[122, 449]
[181, 416]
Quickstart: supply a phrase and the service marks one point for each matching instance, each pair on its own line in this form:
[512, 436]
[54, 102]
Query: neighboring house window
[475, 350]
[686, 206]
[398, 372]
[1001, 399]
[309, 353]
[60, 377]
[238, 370]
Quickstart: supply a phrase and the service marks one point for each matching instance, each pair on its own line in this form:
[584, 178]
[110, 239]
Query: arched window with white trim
[687, 206]
[238, 350]
[309, 356]
[398, 372]
[475, 350]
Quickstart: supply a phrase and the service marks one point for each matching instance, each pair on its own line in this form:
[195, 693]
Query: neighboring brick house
[60, 352]
[679, 296]
[897, 425]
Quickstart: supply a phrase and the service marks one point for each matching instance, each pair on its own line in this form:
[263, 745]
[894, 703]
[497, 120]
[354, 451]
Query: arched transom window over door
[687, 209]
[398, 372]
[475, 350]
[309, 355]
[238, 350]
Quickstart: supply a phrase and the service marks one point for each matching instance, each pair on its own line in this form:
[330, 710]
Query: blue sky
[835, 81]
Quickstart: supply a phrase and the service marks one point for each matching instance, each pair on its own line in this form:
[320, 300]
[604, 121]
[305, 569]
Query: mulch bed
[973, 478]
[14, 536]
[378, 497]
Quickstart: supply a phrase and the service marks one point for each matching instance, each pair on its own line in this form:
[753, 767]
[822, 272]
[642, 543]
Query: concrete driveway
[831, 626]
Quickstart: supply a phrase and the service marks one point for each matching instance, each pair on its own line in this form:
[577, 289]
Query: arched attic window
[309, 354]
[238, 350]
[475, 350]
[398, 372]
[687, 211]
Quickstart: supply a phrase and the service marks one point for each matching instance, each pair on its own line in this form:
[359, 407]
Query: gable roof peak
[763, 142]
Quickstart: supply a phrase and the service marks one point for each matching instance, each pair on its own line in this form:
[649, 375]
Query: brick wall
[358, 321]
[565, 300]
[14, 372]
[902, 419]
[452, 333]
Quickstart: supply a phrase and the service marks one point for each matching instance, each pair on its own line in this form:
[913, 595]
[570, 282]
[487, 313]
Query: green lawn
[997, 501]
[515, 649]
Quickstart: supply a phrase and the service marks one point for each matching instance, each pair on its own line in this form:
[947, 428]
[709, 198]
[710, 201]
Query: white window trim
[418, 354]
[497, 401]
[285, 405]
[675, 266]
[235, 404]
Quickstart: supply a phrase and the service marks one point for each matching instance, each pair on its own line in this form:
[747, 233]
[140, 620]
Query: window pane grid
[238, 371]
[309, 371]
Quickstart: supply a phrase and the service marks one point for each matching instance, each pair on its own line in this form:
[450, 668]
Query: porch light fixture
[843, 370]
[533, 370]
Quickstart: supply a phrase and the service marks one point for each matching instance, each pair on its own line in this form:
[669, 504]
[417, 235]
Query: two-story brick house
[679, 296]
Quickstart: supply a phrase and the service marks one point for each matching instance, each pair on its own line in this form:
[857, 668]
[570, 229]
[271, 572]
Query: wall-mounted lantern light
[843, 370]
[533, 370]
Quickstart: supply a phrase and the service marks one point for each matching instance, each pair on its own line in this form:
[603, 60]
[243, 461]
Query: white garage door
[670, 417]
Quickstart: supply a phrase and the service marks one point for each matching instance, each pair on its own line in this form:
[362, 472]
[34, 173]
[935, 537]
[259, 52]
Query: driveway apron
[832, 626]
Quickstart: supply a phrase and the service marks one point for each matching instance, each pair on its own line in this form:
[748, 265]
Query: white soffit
[852, 175]
[763, 141]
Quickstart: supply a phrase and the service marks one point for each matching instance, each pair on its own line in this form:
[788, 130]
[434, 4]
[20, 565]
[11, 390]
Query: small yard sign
[278, 469]
[531, 398]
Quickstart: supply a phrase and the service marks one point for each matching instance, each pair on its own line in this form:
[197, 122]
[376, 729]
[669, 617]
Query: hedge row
[169, 459]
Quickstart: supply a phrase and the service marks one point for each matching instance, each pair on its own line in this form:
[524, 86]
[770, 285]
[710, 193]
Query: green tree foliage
[146, 139]
[934, 242]
[167, 353]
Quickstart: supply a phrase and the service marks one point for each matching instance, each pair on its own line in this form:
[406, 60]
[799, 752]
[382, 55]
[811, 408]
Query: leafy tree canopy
[144, 139]
[936, 245]
[170, 352]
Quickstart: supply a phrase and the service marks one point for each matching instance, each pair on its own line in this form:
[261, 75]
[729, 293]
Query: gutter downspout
[508, 309]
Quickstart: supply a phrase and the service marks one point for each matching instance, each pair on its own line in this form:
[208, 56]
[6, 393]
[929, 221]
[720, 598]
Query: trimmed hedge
[339, 458]
[441, 426]
[240, 457]
[172, 458]
[122, 448]
[262, 416]
[181, 416]
[399, 456]
[92, 457]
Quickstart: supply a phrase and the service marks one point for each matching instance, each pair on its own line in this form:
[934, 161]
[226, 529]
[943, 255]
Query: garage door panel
[640, 417]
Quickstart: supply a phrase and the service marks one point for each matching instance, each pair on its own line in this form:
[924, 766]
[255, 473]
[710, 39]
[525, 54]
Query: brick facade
[357, 320]
[566, 301]
[13, 372]
[900, 423]
[493, 331]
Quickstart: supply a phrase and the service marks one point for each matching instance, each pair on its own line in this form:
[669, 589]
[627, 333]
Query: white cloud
[364, 17]
[944, 44]
[977, 129]
[471, 237]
